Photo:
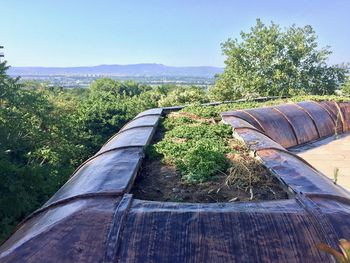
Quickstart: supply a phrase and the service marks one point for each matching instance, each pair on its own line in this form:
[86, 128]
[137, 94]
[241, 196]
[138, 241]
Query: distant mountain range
[147, 69]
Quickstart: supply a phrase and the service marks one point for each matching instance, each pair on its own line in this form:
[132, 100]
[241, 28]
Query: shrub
[183, 96]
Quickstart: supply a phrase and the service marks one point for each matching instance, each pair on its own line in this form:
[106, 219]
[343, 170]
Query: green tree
[46, 132]
[184, 95]
[118, 88]
[346, 88]
[39, 147]
[269, 61]
[109, 105]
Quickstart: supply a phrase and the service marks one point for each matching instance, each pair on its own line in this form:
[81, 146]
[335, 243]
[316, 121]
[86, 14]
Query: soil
[159, 182]
[249, 182]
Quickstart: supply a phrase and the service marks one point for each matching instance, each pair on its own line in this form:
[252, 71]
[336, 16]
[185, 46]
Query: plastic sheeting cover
[76, 227]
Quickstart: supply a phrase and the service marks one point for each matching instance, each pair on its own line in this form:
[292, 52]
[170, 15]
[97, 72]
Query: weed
[335, 175]
[200, 163]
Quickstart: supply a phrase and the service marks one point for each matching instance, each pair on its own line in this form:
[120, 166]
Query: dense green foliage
[108, 106]
[268, 61]
[46, 132]
[38, 149]
[346, 88]
[183, 96]
[195, 146]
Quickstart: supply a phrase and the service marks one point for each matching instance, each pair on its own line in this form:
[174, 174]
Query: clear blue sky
[172, 32]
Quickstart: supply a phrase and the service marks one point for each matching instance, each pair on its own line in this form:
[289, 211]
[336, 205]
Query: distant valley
[153, 74]
[137, 70]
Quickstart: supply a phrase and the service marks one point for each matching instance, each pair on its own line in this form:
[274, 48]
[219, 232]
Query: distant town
[148, 73]
[67, 81]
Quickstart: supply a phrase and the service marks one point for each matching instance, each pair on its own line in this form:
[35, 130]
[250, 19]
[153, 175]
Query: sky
[170, 32]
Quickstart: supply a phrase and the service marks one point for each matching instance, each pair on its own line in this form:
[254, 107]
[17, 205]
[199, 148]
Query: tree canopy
[46, 132]
[183, 96]
[269, 61]
[346, 87]
[38, 149]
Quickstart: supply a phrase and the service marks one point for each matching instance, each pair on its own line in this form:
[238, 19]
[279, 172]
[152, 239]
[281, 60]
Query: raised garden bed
[195, 159]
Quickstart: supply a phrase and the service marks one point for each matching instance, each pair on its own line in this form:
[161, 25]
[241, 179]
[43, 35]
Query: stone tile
[328, 155]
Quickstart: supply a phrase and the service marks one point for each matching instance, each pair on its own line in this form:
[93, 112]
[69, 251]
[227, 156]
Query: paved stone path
[328, 155]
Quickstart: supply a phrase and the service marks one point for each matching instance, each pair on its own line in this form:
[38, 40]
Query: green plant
[346, 88]
[336, 174]
[270, 61]
[195, 145]
[183, 96]
[46, 132]
[200, 163]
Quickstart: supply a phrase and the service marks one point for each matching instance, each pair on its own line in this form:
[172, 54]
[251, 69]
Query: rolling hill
[146, 69]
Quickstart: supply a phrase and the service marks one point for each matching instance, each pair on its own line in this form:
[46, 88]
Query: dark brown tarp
[92, 218]
[298, 123]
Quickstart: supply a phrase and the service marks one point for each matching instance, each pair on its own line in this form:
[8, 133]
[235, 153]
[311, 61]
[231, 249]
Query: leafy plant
[346, 88]
[194, 145]
[200, 163]
[269, 61]
[184, 95]
[46, 132]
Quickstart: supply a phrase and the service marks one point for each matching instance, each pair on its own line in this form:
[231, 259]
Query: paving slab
[329, 155]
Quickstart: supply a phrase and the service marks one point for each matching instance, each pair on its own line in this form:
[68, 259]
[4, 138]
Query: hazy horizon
[174, 33]
[116, 64]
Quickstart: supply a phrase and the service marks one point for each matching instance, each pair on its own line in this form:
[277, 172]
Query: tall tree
[269, 61]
